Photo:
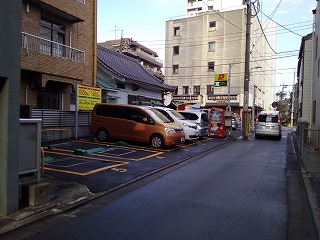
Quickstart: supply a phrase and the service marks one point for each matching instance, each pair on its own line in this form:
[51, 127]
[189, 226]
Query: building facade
[211, 43]
[124, 80]
[193, 7]
[147, 57]
[10, 17]
[304, 76]
[58, 50]
[315, 102]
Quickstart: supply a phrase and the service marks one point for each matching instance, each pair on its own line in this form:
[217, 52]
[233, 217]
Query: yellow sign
[221, 77]
[88, 97]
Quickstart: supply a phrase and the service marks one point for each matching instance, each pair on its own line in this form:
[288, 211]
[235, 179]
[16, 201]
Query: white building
[202, 46]
[193, 7]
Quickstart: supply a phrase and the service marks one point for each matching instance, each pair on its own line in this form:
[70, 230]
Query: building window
[176, 91]
[210, 66]
[212, 46]
[176, 31]
[185, 90]
[53, 38]
[175, 50]
[200, 8]
[196, 90]
[175, 69]
[210, 89]
[212, 26]
[210, 8]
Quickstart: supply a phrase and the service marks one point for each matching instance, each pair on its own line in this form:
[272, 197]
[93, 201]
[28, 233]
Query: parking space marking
[86, 173]
[104, 155]
[125, 151]
[130, 146]
[67, 160]
[91, 157]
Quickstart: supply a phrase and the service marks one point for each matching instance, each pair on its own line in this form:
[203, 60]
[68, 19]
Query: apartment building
[213, 42]
[193, 7]
[148, 58]
[58, 50]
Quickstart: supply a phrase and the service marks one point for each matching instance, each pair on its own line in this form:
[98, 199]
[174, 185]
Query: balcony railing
[311, 139]
[34, 43]
[146, 55]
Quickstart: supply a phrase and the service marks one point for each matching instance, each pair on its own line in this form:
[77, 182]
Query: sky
[144, 21]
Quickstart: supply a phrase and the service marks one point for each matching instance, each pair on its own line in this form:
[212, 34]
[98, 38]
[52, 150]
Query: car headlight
[170, 130]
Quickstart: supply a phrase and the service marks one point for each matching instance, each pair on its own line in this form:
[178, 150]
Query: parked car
[200, 118]
[268, 125]
[234, 124]
[134, 123]
[190, 129]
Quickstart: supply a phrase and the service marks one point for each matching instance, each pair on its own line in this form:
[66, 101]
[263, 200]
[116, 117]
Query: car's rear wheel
[156, 141]
[102, 134]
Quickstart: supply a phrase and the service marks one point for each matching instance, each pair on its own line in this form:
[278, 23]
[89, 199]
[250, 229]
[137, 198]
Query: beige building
[58, 50]
[148, 58]
[193, 7]
[200, 47]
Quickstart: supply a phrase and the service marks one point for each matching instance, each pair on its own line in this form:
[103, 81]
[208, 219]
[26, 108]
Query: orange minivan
[134, 123]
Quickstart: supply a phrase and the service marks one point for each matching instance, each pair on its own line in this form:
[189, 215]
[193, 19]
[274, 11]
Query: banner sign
[221, 79]
[88, 97]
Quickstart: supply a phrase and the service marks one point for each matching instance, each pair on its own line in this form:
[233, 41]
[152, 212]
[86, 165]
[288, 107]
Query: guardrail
[35, 43]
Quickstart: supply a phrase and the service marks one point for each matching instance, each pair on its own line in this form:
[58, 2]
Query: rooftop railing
[35, 43]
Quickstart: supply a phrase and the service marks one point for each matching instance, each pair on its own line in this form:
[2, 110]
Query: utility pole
[245, 118]
[292, 98]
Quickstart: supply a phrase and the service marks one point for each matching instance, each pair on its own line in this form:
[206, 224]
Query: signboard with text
[221, 79]
[88, 97]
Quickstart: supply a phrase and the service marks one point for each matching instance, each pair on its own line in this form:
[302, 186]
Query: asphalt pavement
[67, 193]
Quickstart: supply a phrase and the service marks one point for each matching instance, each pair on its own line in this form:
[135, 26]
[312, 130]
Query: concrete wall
[10, 44]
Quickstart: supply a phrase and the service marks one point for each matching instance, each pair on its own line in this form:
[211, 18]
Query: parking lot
[103, 165]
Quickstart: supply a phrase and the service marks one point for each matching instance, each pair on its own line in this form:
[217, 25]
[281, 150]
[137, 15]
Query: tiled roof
[129, 68]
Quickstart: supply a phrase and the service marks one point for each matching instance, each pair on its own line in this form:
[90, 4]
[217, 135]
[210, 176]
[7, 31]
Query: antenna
[115, 32]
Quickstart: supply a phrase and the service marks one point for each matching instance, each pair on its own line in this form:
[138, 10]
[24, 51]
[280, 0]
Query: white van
[191, 130]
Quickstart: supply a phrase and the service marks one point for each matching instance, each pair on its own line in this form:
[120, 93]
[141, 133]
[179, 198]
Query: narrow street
[237, 192]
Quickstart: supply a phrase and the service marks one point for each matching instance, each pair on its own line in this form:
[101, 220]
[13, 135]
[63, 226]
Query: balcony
[34, 43]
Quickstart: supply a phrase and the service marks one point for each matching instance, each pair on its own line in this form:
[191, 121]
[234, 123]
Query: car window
[268, 118]
[185, 114]
[177, 115]
[193, 116]
[204, 117]
[166, 115]
[158, 115]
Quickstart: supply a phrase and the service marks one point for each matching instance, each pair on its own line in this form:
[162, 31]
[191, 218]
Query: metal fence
[311, 139]
[61, 118]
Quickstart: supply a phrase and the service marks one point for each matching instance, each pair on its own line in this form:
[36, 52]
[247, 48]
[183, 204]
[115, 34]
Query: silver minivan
[200, 118]
[268, 125]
